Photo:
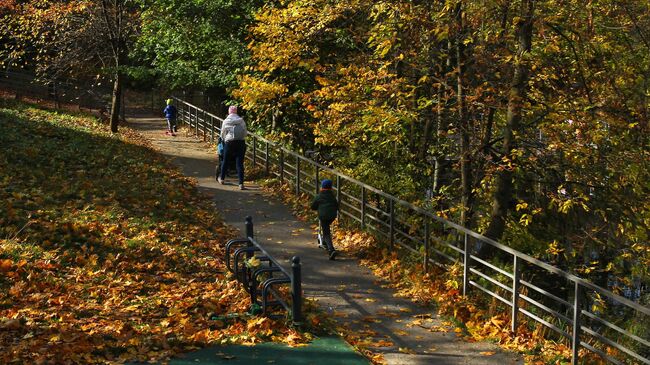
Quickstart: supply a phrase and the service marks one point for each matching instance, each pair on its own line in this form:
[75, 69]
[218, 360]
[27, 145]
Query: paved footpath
[343, 288]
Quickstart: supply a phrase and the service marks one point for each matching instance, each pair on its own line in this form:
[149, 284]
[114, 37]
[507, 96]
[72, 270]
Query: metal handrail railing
[578, 323]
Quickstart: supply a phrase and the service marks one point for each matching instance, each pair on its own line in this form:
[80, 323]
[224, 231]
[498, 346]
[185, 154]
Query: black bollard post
[296, 291]
[249, 227]
[249, 255]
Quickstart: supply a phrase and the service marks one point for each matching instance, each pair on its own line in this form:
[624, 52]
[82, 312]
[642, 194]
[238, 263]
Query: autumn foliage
[107, 254]
[469, 316]
[523, 120]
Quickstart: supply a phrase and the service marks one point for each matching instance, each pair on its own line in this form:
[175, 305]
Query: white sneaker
[241, 187]
[220, 180]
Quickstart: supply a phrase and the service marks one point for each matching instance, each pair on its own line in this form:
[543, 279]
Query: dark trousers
[236, 150]
[326, 233]
[171, 124]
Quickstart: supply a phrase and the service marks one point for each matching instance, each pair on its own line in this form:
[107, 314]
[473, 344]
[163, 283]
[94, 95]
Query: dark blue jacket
[170, 112]
[326, 204]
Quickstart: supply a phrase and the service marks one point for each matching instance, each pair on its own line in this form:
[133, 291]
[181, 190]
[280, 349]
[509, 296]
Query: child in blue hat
[327, 205]
[170, 115]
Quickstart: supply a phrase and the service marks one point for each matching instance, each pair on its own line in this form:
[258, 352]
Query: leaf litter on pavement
[107, 254]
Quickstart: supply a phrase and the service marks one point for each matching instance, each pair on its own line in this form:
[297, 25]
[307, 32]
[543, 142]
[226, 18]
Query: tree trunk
[427, 134]
[464, 123]
[116, 102]
[440, 132]
[502, 197]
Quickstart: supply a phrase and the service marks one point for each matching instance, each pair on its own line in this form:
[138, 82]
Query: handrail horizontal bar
[196, 107]
[616, 328]
[406, 235]
[547, 309]
[404, 245]
[305, 175]
[481, 261]
[434, 262]
[345, 203]
[478, 236]
[351, 215]
[545, 293]
[445, 243]
[376, 219]
[489, 292]
[405, 224]
[376, 209]
[350, 197]
[493, 281]
[609, 342]
[290, 174]
[292, 167]
[600, 353]
[545, 323]
[379, 231]
[440, 253]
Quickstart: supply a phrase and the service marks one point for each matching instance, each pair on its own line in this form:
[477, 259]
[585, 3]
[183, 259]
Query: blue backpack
[220, 147]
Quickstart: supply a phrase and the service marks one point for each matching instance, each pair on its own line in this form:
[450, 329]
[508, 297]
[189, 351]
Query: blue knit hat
[326, 184]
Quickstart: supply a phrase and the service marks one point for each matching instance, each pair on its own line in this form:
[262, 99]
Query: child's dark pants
[327, 233]
[171, 124]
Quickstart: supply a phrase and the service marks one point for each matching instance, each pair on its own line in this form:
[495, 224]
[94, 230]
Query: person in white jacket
[233, 134]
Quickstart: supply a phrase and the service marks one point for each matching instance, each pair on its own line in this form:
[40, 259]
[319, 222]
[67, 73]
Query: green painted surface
[325, 350]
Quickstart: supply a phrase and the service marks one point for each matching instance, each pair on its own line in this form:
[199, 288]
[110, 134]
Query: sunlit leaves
[195, 43]
[107, 254]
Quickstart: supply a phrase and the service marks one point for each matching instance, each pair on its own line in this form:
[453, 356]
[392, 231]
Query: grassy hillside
[106, 253]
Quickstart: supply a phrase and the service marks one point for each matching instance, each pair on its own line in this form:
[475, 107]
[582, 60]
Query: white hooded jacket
[233, 128]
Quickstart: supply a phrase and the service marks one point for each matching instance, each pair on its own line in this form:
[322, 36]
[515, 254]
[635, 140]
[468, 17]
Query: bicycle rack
[241, 249]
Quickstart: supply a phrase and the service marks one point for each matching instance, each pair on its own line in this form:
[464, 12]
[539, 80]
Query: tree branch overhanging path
[402, 331]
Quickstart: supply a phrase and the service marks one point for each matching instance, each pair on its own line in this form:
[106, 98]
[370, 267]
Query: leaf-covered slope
[106, 253]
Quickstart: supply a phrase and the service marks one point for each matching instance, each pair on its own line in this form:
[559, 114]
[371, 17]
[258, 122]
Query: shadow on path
[345, 290]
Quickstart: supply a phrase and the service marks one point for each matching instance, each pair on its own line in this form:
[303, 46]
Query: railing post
[363, 207]
[205, 126]
[575, 338]
[317, 179]
[184, 109]
[249, 234]
[281, 165]
[267, 158]
[297, 176]
[426, 244]
[466, 258]
[211, 129]
[338, 190]
[188, 114]
[189, 118]
[515, 295]
[296, 291]
[254, 151]
[196, 120]
[180, 109]
[249, 227]
[391, 232]
[338, 195]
